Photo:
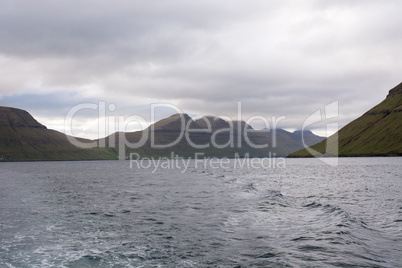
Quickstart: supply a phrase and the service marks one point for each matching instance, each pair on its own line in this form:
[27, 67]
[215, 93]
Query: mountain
[210, 136]
[215, 123]
[173, 123]
[309, 137]
[22, 138]
[378, 132]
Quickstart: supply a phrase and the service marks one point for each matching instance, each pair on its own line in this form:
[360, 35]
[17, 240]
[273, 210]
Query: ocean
[285, 213]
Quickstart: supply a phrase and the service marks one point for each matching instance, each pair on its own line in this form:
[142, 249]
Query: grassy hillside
[378, 132]
[22, 138]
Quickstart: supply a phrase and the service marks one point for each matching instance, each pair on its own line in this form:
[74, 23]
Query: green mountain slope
[22, 138]
[378, 132]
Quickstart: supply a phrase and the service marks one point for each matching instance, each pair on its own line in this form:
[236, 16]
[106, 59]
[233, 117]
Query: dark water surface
[105, 214]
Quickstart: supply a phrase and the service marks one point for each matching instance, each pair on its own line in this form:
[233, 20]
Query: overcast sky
[278, 58]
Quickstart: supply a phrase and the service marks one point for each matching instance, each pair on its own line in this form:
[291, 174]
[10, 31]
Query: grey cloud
[277, 57]
[85, 28]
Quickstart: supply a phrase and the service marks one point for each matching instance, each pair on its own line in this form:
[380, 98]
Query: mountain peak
[13, 117]
[300, 131]
[214, 122]
[237, 124]
[395, 90]
[173, 123]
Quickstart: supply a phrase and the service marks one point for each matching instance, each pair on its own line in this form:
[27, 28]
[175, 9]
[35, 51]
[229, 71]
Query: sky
[276, 59]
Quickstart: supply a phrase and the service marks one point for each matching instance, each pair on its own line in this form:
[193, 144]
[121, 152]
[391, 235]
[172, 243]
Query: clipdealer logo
[329, 113]
[121, 122]
[200, 161]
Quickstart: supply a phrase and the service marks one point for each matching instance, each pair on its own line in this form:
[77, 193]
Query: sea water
[302, 213]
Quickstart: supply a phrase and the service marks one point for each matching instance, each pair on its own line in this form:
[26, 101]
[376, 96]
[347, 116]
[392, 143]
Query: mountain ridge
[23, 138]
[223, 140]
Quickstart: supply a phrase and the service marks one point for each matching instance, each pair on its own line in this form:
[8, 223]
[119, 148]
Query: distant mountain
[378, 132]
[217, 137]
[309, 137]
[22, 138]
[215, 122]
[173, 123]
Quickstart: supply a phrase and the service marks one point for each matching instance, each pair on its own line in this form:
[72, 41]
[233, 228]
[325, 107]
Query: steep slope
[378, 132]
[22, 138]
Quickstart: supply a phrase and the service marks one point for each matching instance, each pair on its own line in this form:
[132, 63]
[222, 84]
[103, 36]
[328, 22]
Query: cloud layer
[276, 57]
